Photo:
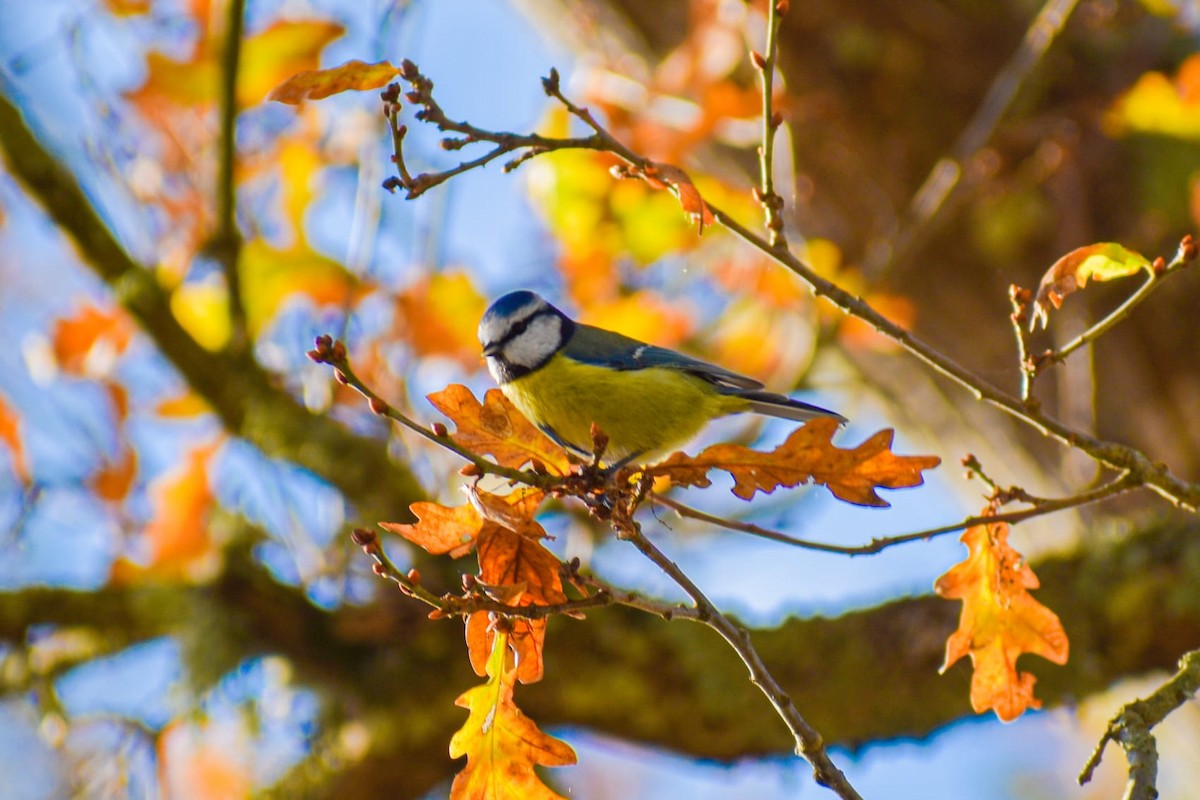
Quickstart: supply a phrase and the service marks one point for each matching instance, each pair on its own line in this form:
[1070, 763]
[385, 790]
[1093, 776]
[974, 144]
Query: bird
[564, 376]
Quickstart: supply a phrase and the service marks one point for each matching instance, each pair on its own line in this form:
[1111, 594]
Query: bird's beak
[491, 349]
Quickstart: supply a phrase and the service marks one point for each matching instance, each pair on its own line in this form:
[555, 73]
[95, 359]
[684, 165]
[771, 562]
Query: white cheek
[536, 344]
[493, 366]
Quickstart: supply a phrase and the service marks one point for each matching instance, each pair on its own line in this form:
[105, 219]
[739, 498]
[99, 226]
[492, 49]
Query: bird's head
[521, 332]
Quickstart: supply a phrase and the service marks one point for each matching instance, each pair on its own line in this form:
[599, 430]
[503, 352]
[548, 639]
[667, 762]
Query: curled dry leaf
[501, 744]
[1000, 620]
[680, 184]
[353, 76]
[1105, 261]
[808, 454]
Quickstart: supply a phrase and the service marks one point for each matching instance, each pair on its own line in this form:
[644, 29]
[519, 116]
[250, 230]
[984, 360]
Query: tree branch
[946, 174]
[1111, 489]
[1131, 728]
[242, 394]
[226, 243]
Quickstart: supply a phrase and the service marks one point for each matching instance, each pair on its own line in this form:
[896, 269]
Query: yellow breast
[642, 411]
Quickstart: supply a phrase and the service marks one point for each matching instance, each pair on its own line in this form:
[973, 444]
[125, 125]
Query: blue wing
[602, 348]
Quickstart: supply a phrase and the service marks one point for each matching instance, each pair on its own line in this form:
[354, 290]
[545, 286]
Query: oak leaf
[501, 744]
[1105, 261]
[807, 455]
[516, 569]
[440, 529]
[507, 558]
[352, 76]
[496, 428]
[1000, 620]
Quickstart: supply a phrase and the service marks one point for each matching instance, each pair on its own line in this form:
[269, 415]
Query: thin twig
[1019, 298]
[771, 201]
[946, 174]
[449, 605]
[1183, 256]
[1131, 728]
[1119, 457]
[1111, 489]
[809, 743]
[331, 352]
[226, 243]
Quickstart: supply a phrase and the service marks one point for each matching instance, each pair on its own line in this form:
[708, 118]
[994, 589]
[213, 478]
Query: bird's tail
[778, 405]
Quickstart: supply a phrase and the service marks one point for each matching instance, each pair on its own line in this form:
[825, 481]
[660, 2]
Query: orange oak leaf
[1105, 261]
[808, 454]
[440, 529]
[10, 438]
[1000, 620]
[501, 744]
[453, 530]
[507, 558]
[496, 428]
[352, 76]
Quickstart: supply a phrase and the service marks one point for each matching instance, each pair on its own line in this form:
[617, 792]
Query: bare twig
[1020, 316]
[1184, 255]
[1119, 457]
[1131, 728]
[771, 201]
[331, 352]
[809, 743]
[226, 243]
[1111, 489]
[947, 173]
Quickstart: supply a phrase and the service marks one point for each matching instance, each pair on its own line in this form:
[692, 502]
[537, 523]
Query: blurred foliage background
[177, 480]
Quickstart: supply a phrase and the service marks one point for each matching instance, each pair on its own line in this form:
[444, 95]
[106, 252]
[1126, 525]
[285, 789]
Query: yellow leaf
[351, 76]
[1000, 620]
[285, 48]
[1105, 261]
[202, 308]
[1159, 105]
[501, 744]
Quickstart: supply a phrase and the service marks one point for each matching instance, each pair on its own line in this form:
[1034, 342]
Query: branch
[241, 393]
[1183, 256]
[332, 352]
[1041, 507]
[1119, 457]
[771, 202]
[226, 243]
[946, 174]
[1131, 728]
[809, 743]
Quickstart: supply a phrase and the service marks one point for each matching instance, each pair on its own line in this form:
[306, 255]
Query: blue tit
[564, 375]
